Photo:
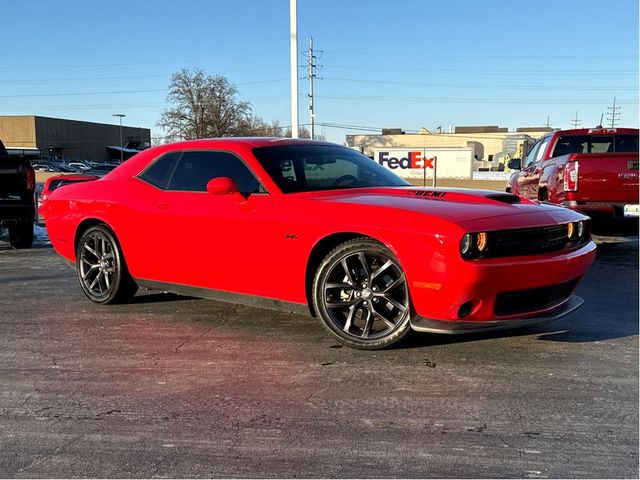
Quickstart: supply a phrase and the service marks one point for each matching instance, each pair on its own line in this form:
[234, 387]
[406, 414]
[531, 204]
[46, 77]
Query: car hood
[457, 205]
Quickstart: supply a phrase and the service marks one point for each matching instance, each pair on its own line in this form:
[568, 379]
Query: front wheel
[102, 271]
[361, 295]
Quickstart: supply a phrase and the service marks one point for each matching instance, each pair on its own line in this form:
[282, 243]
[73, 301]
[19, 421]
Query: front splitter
[421, 324]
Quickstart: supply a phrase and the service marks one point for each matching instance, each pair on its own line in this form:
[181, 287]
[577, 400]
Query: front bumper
[421, 324]
[601, 211]
[479, 283]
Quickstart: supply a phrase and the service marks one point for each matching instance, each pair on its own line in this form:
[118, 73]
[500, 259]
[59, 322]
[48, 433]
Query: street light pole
[121, 116]
[293, 27]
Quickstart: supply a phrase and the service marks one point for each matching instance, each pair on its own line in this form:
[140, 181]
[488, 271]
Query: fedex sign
[412, 160]
[406, 163]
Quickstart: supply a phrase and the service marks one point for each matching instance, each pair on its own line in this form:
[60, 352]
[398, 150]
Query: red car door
[222, 242]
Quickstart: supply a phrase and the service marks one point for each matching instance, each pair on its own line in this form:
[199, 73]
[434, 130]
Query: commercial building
[46, 138]
[491, 143]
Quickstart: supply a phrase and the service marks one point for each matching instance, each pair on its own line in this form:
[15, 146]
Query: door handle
[163, 206]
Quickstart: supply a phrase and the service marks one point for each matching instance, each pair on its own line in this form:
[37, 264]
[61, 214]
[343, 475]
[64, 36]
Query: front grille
[535, 299]
[529, 241]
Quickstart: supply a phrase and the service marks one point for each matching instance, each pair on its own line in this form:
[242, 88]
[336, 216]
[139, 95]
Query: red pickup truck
[594, 171]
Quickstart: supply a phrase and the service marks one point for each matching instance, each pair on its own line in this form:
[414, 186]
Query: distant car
[315, 227]
[40, 167]
[53, 183]
[99, 170]
[65, 169]
[79, 166]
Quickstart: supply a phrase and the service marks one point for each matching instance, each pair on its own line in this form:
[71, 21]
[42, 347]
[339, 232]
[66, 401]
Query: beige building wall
[492, 143]
[18, 131]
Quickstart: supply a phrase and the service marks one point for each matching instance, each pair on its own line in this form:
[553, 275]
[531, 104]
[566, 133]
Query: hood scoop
[465, 195]
[504, 198]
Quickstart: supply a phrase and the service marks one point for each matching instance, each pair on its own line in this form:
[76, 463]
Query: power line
[548, 57]
[142, 64]
[491, 86]
[516, 101]
[537, 72]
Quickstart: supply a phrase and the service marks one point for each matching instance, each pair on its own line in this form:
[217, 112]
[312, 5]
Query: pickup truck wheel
[101, 268]
[21, 235]
[360, 293]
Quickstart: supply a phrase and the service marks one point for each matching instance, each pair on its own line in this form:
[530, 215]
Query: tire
[361, 295]
[21, 235]
[101, 268]
[543, 195]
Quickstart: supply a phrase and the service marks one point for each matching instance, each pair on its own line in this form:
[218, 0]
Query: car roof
[597, 131]
[253, 141]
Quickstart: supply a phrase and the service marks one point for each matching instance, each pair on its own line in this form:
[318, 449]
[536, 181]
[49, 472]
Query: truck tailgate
[12, 178]
[611, 178]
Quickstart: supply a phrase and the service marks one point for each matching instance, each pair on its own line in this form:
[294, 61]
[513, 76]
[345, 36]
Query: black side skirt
[222, 296]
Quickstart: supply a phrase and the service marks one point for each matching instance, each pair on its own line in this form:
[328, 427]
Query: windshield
[304, 168]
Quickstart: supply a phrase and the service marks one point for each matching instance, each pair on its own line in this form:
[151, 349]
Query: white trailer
[412, 162]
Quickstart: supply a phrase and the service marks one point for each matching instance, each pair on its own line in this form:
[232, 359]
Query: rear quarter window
[159, 172]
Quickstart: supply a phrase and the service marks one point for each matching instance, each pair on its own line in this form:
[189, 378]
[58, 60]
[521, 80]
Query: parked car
[17, 203]
[41, 167]
[100, 169]
[65, 169]
[56, 182]
[79, 166]
[315, 227]
[594, 171]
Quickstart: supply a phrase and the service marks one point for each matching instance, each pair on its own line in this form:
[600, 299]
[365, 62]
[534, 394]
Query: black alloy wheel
[361, 295]
[102, 271]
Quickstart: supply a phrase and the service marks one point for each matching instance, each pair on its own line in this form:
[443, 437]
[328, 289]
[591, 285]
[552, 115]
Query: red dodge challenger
[315, 227]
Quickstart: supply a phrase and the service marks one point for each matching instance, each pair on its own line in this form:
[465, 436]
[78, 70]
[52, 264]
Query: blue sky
[406, 64]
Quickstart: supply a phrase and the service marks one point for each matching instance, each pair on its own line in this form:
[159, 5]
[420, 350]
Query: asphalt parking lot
[171, 386]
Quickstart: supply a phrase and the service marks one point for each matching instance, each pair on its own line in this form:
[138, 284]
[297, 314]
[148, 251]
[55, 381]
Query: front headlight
[473, 245]
[466, 244]
[577, 230]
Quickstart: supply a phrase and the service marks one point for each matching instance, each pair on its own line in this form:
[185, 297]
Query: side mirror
[222, 186]
[515, 164]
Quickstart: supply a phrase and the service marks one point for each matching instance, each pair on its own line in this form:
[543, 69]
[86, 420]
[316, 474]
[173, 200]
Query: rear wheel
[21, 235]
[101, 268]
[361, 295]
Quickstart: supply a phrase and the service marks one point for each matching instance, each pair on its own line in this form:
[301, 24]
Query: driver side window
[536, 153]
[532, 154]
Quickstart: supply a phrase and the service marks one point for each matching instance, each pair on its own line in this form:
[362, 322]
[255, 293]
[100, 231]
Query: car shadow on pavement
[556, 331]
[158, 297]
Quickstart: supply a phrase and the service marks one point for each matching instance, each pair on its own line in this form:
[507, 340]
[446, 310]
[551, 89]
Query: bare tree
[256, 126]
[203, 106]
[302, 132]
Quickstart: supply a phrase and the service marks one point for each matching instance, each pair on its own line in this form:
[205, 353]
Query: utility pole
[312, 75]
[293, 28]
[121, 116]
[548, 119]
[613, 113]
[575, 122]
